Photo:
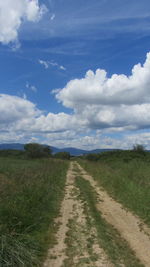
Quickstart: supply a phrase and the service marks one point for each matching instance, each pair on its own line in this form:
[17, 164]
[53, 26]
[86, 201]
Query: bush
[62, 155]
[92, 156]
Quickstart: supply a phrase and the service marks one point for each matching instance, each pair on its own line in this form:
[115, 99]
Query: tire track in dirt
[124, 221]
[77, 254]
[83, 249]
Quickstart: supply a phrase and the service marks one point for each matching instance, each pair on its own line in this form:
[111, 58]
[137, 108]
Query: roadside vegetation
[62, 155]
[126, 177]
[31, 191]
[109, 238]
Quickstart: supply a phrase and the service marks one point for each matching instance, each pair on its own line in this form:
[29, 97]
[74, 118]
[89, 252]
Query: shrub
[62, 155]
[92, 156]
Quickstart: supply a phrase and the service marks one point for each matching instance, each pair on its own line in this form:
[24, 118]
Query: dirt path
[77, 244]
[57, 255]
[124, 221]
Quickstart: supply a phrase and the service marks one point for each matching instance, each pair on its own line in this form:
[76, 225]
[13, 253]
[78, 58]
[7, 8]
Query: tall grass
[30, 195]
[126, 180]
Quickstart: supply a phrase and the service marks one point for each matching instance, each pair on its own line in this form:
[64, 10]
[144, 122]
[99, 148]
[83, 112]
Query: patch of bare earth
[130, 226]
[77, 244]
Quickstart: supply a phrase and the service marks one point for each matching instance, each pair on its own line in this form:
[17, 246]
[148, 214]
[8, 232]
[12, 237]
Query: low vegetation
[30, 195]
[34, 151]
[32, 184]
[126, 176]
[109, 238]
[62, 155]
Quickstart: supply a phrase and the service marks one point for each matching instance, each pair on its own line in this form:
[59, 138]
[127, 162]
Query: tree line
[35, 150]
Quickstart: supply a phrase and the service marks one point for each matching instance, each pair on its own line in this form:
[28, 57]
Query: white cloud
[52, 17]
[46, 64]
[118, 101]
[97, 88]
[62, 67]
[12, 13]
[16, 111]
[21, 121]
[31, 87]
[101, 105]
[20, 114]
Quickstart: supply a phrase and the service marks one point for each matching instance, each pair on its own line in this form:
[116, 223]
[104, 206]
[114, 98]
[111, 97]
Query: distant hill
[15, 146]
[73, 151]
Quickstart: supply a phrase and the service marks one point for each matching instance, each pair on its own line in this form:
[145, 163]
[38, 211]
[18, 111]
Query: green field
[126, 177]
[31, 192]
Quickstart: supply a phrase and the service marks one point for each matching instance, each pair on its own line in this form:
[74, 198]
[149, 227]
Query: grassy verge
[30, 195]
[109, 239]
[128, 182]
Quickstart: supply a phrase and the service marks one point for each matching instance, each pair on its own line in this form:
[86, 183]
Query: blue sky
[75, 73]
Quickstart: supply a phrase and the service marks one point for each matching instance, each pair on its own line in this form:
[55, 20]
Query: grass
[127, 180]
[30, 195]
[109, 238]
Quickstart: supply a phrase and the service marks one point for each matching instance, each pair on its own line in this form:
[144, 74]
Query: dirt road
[78, 243]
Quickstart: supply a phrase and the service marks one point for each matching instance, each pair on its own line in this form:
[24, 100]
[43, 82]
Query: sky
[75, 73]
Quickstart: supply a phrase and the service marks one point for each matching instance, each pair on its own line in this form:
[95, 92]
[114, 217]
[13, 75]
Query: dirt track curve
[72, 219]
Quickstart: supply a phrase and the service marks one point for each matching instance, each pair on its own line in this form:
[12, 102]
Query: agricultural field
[30, 195]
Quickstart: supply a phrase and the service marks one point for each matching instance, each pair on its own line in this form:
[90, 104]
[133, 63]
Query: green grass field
[126, 178]
[30, 196]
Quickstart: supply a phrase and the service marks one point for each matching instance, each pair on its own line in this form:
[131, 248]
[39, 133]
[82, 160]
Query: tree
[138, 148]
[35, 150]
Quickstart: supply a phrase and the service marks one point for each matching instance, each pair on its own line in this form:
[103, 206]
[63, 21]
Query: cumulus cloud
[13, 13]
[97, 88]
[100, 105]
[21, 121]
[19, 114]
[118, 101]
[13, 109]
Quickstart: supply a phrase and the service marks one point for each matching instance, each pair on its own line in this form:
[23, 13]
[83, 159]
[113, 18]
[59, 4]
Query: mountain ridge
[72, 150]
